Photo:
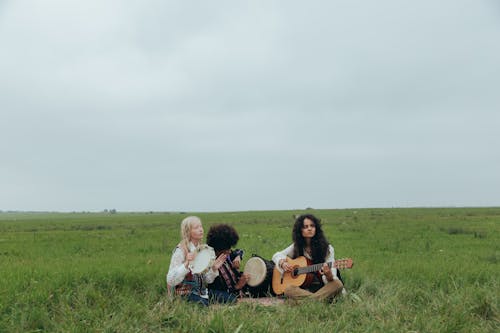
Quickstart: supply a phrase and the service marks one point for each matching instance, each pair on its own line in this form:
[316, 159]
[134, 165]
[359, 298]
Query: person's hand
[237, 262]
[218, 262]
[327, 271]
[242, 281]
[286, 266]
[189, 257]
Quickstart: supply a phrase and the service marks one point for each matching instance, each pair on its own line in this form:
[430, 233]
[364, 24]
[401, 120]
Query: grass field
[416, 270]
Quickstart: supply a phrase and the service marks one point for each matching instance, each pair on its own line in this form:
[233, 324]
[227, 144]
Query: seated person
[180, 280]
[230, 283]
[309, 241]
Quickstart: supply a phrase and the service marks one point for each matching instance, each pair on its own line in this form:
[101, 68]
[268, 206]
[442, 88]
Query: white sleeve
[288, 252]
[210, 276]
[330, 257]
[177, 271]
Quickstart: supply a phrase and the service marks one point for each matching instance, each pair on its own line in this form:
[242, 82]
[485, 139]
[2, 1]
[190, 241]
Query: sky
[248, 105]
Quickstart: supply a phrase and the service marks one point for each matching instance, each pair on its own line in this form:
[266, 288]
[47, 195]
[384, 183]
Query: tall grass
[416, 270]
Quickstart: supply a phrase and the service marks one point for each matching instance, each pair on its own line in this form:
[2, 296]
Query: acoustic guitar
[302, 274]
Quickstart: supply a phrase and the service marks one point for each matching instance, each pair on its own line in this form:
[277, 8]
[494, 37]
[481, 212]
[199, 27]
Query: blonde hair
[186, 226]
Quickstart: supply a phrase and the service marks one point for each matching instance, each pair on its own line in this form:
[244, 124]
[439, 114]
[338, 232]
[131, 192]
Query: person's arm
[177, 270]
[235, 258]
[211, 275]
[281, 256]
[330, 258]
[242, 281]
[236, 253]
[213, 271]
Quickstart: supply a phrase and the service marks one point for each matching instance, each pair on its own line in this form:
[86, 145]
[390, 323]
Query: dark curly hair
[222, 237]
[319, 243]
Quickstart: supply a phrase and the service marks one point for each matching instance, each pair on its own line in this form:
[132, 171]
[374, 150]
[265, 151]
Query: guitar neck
[312, 268]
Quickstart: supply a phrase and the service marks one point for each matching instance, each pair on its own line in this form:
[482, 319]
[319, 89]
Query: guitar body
[289, 279]
[302, 274]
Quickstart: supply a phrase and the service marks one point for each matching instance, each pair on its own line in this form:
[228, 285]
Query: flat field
[416, 270]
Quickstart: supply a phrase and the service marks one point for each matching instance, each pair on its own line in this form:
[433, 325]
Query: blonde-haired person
[192, 287]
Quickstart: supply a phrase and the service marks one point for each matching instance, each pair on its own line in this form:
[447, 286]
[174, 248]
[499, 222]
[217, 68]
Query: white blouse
[288, 252]
[177, 271]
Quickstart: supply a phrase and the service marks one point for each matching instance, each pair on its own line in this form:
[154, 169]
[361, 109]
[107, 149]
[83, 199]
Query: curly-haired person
[309, 241]
[230, 283]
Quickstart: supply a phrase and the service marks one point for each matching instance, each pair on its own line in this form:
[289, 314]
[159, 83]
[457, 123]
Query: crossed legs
[328, 291]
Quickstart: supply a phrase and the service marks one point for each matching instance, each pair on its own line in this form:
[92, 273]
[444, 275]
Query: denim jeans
[219, 296]
[197, 299]
[214, 296]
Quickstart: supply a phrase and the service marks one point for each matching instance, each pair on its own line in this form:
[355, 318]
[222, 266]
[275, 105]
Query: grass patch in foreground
[416, 270]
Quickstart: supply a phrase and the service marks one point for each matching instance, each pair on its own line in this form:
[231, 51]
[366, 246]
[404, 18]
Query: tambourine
[205, 257]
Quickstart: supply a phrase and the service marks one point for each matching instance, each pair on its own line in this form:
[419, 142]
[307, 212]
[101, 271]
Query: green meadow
[415, 270]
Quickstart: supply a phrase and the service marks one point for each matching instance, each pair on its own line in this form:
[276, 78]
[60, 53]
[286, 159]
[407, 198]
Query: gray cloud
[229, 106]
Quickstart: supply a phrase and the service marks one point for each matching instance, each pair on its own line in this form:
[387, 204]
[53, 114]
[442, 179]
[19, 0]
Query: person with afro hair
[231, 283]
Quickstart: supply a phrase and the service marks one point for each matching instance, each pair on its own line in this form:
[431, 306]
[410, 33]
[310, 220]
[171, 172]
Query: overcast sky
[248, 105]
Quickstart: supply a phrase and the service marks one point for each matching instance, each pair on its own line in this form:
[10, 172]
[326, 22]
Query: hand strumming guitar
[327, 272]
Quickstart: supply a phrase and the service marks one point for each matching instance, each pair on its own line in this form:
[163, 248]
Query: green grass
[416, 270]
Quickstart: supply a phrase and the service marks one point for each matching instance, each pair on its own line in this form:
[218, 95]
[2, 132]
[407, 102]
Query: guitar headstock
[343, 263]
